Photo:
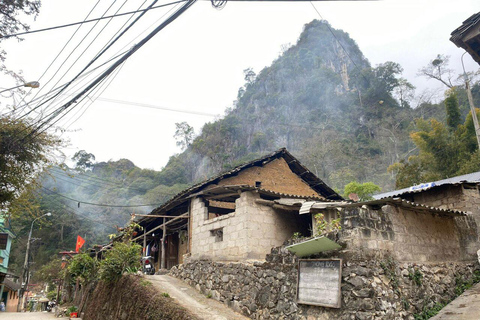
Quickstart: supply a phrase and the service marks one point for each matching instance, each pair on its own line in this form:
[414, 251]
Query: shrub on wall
[83, 267]
[121, 258]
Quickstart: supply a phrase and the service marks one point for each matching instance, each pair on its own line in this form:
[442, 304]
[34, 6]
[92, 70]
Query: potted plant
[73, 312]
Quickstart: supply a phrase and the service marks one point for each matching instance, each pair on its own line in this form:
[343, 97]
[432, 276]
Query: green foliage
[145, 283]
[323, 226]
[50, 271]
[444, 151]
[83, 267]
[462, 284]
[72, 309]
[363, 190]
[117, 260]
[453, 111]
[83, 160]
[21, 160]
[389, 267]
[427, 313]
[416, 276]
[166, 295]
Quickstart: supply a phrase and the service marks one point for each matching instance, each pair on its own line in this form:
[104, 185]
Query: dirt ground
[26, 315]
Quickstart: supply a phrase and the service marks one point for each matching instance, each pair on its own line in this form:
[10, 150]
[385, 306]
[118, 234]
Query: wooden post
[162, 263]
[144, 242]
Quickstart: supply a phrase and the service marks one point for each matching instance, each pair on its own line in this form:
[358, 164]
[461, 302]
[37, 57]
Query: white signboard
[319, 282]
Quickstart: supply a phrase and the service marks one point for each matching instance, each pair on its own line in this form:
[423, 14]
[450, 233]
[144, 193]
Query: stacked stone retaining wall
[371, 289]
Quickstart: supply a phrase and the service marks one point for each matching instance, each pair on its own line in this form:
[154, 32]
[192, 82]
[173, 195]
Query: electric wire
[54, 113]
[78, 58]
[61, 51]
[88, 21]
[73, 211]
[102, 182]
[103, 204]
[170, 19]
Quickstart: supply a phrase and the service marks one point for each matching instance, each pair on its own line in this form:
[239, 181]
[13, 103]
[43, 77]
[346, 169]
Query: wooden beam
[165, 223]
[155, 216]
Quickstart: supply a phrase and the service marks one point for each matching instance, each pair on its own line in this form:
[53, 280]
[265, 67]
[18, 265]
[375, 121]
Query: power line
[151, 106]
[173, 17]
[102, 204]
[73, 212]
[90, 20]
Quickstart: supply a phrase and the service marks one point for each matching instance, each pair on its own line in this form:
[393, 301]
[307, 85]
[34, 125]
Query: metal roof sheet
[313, 246]
[407, 204]
[466, 178]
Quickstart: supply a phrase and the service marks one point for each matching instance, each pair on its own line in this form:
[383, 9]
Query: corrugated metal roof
[466, 178]
[406, 204]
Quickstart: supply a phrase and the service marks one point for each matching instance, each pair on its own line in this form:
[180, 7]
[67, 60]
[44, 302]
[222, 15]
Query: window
[219, 208]
[218, 234]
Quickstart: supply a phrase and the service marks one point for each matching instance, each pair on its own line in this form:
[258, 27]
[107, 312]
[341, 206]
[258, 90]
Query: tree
[84, 160]
[183, 134]
[363, 190]
[22, 156]
[438, 69]
[444, 151]
[452, 109]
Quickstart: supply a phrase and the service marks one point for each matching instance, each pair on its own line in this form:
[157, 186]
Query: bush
[122, 257]
[83, 267]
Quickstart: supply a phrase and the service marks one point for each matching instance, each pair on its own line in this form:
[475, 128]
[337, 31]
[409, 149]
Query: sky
[196, 63]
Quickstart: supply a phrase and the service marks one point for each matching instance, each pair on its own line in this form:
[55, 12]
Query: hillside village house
[232, 238]
[242, 214]
[230, 217]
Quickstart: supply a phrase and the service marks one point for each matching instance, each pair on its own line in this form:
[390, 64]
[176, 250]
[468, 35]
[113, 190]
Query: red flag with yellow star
[80, 242]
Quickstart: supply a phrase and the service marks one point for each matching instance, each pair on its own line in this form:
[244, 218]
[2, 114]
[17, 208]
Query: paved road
[27, 316]
[465, 307]
[192, 300]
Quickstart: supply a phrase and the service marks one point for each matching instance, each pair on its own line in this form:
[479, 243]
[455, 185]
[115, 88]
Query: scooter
[147, 264]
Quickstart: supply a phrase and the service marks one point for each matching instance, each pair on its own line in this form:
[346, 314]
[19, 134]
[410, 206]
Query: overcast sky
[196, 63]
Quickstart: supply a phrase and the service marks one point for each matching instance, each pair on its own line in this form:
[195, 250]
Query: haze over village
[239, 159]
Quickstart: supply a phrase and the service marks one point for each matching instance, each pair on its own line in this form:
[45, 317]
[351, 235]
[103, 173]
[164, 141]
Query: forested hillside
[321, 99]
[343, 118]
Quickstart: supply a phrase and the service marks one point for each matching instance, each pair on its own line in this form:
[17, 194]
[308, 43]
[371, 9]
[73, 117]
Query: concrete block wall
[248, 233]
[406, 235]
[424, 236]
[463, 198]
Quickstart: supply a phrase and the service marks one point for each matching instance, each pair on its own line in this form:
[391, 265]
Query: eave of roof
[406, 204]
[457, 34]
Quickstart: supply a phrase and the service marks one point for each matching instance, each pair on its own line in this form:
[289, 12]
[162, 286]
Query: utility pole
[26, 265]
[472, 107]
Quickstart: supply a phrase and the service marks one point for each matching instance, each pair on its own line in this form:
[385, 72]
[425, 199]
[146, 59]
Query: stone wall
[248, 233]
[407, 235]
[371, 289]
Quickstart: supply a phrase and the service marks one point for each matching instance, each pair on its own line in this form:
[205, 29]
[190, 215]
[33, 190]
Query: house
[6, 237]
[467, 36]
[10, 295]
[387, 258]
[231, 217]
[457, 193]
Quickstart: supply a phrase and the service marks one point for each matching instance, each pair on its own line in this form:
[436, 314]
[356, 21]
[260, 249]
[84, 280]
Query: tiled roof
[312, 180]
